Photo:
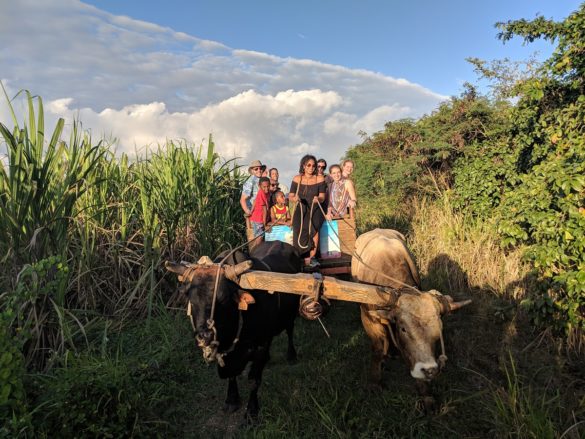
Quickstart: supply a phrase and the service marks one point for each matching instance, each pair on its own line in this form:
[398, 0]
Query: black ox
[231, 336]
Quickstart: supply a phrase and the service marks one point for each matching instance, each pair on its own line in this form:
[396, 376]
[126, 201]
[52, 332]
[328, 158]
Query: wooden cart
[337, 244]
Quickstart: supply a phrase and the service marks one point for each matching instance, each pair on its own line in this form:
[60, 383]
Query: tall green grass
[108, 221]
[41, 184]
[519, 411]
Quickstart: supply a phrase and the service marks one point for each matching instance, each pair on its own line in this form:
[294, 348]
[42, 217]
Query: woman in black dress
[308, 191]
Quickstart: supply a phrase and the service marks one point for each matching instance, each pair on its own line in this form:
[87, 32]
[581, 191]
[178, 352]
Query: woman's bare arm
[351, 191]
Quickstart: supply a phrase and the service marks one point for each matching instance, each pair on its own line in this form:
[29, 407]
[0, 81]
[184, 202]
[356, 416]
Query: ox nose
[204, 337]
[430, 372]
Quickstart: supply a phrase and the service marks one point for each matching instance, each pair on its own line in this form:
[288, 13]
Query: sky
[272, 80]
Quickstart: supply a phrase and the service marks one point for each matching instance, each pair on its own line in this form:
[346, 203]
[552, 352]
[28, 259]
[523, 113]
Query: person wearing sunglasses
[321, 167]
[250, 188]
[307, 191]
[273, 189]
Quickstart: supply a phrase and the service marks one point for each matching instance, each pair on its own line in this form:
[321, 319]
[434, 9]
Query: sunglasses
[273, 185]
[309, 165]
[256, 168]
[321, 166]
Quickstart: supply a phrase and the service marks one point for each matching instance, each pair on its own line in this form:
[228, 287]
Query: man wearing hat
[250, 189]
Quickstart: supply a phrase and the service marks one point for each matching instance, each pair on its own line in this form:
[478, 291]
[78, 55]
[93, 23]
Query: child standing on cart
[260, 216]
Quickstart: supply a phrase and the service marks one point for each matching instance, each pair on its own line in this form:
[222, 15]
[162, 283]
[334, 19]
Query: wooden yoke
[304, 284]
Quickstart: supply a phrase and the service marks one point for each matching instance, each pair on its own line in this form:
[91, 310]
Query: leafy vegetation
[83, 235]
[517, 158]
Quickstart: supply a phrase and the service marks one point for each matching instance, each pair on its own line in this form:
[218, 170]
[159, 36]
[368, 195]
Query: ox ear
[173, 267]
[384, 315]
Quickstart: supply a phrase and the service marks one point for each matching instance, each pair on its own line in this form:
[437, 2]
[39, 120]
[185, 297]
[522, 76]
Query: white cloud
[143, 84]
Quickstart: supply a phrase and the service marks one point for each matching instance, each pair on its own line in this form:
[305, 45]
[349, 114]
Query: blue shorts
[257, 228]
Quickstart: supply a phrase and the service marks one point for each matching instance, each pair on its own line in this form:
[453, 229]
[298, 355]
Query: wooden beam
[306, 284]
[335, 270]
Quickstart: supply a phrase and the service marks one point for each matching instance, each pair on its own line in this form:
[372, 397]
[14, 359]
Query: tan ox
[412, 319]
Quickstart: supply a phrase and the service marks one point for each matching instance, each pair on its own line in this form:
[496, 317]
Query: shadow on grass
[503, 373]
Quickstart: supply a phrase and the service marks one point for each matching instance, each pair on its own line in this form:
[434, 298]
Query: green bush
[35, 311]
[517, 159]
[12, 394]
[533, 182]
[131, 383]
[98, 398]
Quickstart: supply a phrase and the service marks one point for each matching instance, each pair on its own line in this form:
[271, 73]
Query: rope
[442, 360]
[443, 356]
[310, 224]
[210, 352]
[220, 265]
[219, 355]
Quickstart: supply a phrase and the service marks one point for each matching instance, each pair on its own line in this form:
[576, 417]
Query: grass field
[501, 380]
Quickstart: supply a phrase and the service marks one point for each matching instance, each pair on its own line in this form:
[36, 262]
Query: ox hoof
[250, 419]
[376, 387]
[428, 405]
[231, 408]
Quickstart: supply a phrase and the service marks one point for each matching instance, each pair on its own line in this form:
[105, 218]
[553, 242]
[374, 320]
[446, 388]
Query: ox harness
[309, 306]
[383, 317]
[211, 351]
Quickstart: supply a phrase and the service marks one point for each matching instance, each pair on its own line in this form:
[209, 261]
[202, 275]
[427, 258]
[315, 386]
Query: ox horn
[204, 260]
[454, 306]
[233, 271]
[447, 303]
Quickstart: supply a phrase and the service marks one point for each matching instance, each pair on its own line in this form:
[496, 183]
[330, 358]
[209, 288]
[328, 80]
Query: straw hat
[255, 164]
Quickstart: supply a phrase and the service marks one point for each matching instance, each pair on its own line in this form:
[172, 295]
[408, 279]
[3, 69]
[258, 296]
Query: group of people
[313, 196]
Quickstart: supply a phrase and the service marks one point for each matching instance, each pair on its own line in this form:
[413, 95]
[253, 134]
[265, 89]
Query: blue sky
[423, 41]
[271, 80]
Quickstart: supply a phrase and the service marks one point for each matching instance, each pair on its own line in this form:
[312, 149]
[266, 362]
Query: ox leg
[255, 379]
[376, 363]
[378, 337]
[232, 401]
[291, 352]
[429, 404]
